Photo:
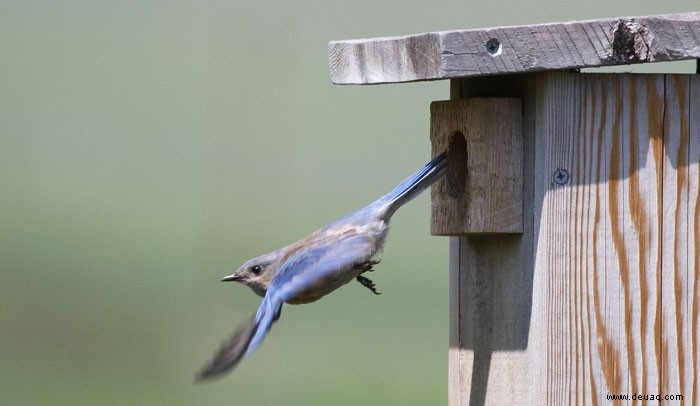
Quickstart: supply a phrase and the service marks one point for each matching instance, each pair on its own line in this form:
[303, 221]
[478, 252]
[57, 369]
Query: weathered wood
[601, 236]
[482, 192]
[529, 48]
[491, 279]
[680, 256]
[692, 369]
[613, 263]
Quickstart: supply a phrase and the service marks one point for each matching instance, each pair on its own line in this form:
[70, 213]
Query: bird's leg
[365, 281]
[367, 266]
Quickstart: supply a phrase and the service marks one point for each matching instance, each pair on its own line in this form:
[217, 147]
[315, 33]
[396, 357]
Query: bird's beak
[231, 278]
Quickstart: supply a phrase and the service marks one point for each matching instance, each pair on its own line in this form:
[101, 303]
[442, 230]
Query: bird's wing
[305, 269]
[330, 260]
[230, 352]
[301, 271]
[244, 340]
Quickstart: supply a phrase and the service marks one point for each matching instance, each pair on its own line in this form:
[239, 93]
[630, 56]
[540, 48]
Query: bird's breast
[335, 278]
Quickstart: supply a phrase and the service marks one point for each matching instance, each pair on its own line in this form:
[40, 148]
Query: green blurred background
[149, 148]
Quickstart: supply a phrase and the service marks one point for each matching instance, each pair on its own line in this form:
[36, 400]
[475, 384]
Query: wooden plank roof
[527, 48]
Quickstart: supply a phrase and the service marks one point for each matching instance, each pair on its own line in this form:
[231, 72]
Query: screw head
[561, 176]
[493, 47]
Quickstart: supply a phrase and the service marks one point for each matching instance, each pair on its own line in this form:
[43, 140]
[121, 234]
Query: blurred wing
[230, 352]
[244, 340]
[305, 269]
[302, 271]
[268, 313]
[329, 261]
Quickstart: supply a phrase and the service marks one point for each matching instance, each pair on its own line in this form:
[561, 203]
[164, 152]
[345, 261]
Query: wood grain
[614, 271]
[482, 192]
[614, 243]
[693, 281]
[491, 278]
[528, 48]
[680, 243]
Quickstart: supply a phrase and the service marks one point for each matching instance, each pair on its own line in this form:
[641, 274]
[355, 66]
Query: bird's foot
[367, 282]
[367, 266]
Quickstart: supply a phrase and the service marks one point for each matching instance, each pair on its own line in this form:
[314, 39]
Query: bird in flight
[315, 266]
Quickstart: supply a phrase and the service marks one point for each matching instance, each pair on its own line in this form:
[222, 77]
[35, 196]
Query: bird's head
[256, 273]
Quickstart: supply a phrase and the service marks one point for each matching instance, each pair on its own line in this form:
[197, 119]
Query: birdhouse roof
[526, 48]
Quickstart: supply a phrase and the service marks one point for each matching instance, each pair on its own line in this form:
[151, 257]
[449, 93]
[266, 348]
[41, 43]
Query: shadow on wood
[600, 295]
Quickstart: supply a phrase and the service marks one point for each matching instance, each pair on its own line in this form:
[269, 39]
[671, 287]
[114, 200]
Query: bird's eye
[256, 269]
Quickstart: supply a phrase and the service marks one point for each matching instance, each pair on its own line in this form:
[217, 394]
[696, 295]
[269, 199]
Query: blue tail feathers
[416, 183]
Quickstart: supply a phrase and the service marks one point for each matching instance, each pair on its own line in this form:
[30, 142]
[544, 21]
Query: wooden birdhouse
[572, 204]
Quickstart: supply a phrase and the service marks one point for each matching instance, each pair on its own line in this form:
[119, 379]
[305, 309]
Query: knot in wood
[631, 42]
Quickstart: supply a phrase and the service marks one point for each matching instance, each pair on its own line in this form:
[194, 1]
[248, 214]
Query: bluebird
[315, 266]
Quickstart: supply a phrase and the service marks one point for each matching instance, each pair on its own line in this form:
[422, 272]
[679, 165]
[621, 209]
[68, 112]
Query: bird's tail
[415, 184]
[244, 340]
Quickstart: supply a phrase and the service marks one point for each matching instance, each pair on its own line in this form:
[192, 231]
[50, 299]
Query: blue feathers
[315, 266]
